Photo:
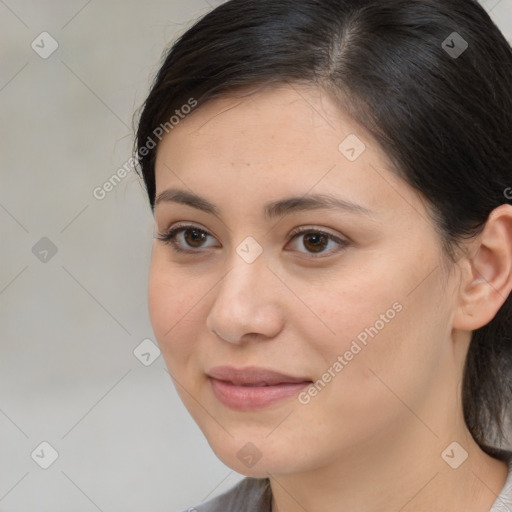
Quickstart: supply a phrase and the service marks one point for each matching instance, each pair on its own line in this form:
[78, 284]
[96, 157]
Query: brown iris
[317, 240]
[196, 236]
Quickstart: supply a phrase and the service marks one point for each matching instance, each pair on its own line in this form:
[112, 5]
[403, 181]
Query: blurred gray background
[79, 368]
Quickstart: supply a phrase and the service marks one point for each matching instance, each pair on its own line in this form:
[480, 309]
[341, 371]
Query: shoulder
[250, 494]
[503, 502]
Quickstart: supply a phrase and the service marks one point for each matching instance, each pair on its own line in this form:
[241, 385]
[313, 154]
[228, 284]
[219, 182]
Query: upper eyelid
[186, 226]
[295, 231]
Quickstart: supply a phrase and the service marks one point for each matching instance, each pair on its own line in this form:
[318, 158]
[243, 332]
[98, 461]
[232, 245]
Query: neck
[406, 466]
[406, 473]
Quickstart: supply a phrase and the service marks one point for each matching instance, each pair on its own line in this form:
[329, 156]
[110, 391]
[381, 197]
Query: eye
[316, 240]
[185, 235]
[187, 238]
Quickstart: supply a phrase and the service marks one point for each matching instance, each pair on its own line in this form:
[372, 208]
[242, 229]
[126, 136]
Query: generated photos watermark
[355, 348]
[100, 192]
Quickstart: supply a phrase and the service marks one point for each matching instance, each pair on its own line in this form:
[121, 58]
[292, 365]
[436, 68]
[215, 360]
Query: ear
[487, 272]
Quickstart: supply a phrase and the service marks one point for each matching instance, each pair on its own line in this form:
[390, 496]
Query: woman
[332, 266]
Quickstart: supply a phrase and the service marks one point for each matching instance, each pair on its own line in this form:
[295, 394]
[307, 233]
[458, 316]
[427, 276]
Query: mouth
[253, 376]
[253, 387]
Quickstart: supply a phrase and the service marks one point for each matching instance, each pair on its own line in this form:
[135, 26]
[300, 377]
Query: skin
[372, 438]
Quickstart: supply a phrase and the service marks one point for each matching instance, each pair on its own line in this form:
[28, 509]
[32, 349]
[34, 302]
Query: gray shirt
[254, 495]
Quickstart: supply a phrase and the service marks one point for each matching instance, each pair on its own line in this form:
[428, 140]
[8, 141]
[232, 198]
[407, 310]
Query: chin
[245, 458]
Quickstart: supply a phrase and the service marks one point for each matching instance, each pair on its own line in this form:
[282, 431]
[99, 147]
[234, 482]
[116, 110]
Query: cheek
[356, 306]
[172, 305]
[389, 338]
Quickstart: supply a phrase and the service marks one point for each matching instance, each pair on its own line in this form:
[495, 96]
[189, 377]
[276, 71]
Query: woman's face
[356, 305]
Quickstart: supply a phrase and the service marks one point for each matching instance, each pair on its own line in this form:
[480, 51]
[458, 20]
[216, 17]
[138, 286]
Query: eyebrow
[272, 209]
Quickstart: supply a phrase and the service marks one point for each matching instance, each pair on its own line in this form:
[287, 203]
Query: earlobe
[487, 281]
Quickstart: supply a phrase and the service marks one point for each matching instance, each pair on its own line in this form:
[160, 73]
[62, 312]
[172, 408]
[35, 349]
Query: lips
[253, 376]
[251, 388]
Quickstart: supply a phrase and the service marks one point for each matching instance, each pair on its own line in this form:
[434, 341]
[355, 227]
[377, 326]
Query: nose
[246, 304]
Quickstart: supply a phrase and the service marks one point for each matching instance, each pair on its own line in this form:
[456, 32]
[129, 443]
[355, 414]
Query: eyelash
[169, 238]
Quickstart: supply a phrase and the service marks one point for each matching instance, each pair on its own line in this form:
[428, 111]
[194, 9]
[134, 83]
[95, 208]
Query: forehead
[285, 140]
[267, 108]
[283, 123]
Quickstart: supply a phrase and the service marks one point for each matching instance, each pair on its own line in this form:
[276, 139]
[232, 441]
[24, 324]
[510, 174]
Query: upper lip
[252, 375]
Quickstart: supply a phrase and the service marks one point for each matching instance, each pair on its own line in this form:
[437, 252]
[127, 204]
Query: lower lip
[244, 398]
